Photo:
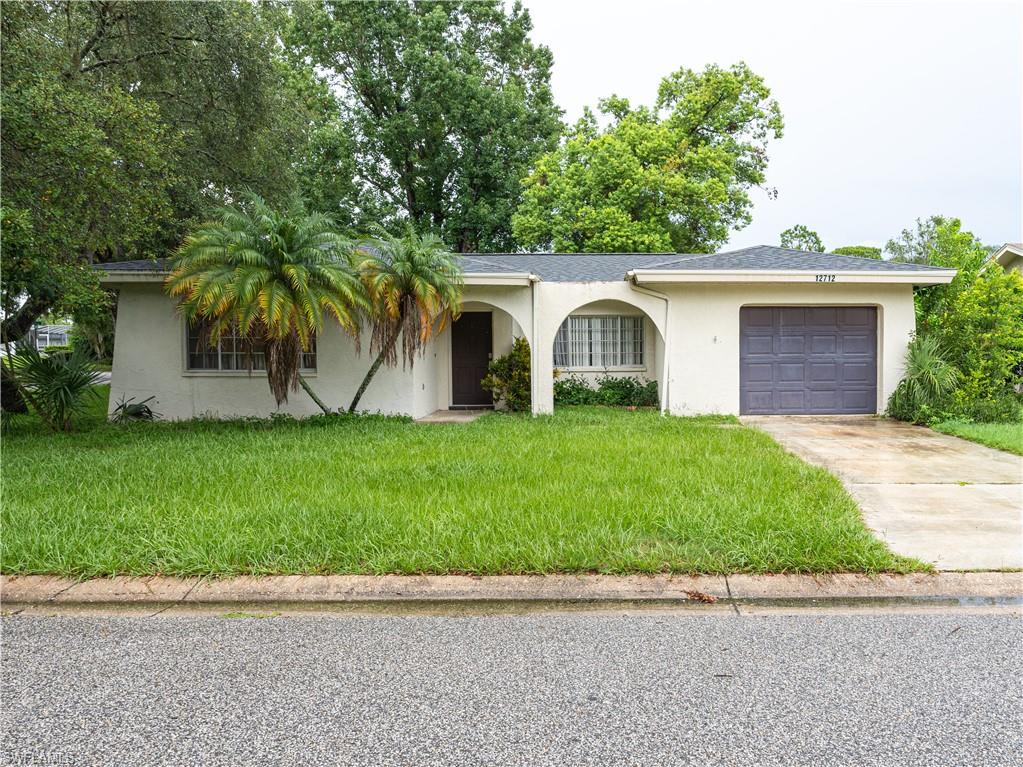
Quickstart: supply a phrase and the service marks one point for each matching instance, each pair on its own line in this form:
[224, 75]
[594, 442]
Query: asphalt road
[573, 689]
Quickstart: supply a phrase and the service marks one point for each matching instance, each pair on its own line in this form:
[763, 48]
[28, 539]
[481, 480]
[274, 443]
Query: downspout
[534, 346]
[631, 277]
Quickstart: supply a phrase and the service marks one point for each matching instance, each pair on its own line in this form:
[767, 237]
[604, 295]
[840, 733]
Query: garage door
[808, 359]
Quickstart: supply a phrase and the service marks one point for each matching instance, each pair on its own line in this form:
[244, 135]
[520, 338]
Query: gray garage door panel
[807, 359]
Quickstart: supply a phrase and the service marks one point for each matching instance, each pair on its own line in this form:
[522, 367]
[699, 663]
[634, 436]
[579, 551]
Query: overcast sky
[893, 110]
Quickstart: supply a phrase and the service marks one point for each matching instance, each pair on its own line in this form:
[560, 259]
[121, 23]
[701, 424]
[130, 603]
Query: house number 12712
[825, 278]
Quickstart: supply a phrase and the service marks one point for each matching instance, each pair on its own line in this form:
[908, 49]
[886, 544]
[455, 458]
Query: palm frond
[271, 273]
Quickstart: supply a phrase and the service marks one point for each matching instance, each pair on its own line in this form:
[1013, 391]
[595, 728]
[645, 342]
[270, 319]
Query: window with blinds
[599, 341]
[233, 352]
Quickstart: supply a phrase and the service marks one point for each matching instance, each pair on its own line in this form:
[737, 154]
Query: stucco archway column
[542, 377]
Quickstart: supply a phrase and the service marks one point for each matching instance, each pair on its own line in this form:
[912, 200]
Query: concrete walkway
[941, 499]
[452, 416]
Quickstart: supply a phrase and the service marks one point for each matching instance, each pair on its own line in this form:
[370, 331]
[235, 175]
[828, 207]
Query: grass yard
[1004, 436]
[586, 490]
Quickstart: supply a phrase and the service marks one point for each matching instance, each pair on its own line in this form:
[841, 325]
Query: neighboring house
[50, 335]
[758, 330]
[1010, 256]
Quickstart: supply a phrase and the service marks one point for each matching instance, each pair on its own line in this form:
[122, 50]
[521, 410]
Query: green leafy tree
[447, 105]
[976, 320]
[863, 251]
[800, 237]
[917, 245]
[93, 327]
[945, 245]
[981, 328]
[276, 277]
[159, 109]
[674, 177]
[56, 222]
[415, 286]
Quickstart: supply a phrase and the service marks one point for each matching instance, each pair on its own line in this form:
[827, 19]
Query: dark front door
[807, 359]
[471, 344]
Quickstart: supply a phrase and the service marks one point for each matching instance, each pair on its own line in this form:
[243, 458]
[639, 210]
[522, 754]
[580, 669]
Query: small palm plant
[275, 276]
[929, 379]
[415, 287]
[57, 386]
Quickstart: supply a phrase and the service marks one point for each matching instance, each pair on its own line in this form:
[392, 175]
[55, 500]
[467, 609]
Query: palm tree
[415, 287]
[275, 276]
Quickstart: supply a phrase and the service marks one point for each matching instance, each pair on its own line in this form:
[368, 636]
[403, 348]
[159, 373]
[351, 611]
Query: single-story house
[1010, 256]
[760, 330]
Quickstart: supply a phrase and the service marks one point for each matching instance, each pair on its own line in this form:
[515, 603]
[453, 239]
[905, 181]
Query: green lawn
[586, 490]
[1004, 436]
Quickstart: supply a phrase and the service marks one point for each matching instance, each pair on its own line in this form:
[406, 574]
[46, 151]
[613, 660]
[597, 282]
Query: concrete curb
[327, 589]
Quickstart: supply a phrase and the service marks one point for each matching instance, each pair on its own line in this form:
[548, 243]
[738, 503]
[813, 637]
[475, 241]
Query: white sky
[893, 110]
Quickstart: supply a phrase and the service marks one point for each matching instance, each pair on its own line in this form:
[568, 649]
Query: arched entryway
[590, 331]
[490, 321]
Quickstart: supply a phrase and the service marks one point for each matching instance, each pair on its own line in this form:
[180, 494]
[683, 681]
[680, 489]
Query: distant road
[654, 688]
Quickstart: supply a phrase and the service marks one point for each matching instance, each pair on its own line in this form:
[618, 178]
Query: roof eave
[118, 276]
[910, 277]
[499, 278]
[1008, 253]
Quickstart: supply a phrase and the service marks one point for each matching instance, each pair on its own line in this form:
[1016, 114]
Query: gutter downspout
[533, 346]
[631, 277]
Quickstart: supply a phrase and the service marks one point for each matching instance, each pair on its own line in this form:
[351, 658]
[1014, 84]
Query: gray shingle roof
[611, 267]
[565, 267]
[144, 265]
[768, 257]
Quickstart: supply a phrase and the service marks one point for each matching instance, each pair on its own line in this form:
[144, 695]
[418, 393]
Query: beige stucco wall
[703, 369]
[149, 359]
[691, 337]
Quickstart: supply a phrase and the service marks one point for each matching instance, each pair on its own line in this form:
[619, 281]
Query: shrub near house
[973, 326]
[508, 378]
[625, 391]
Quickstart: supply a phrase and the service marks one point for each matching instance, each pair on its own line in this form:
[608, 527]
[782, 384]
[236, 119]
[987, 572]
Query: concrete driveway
[941, 499]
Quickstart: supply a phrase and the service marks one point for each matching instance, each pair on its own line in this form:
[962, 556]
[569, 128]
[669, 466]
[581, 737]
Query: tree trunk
[374, 368]
[311, 393]
[28, 397]
[11, 400]
[16, 325]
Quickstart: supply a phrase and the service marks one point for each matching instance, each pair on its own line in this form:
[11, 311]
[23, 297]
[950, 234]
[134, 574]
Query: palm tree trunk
[374, 368]
[311, 393]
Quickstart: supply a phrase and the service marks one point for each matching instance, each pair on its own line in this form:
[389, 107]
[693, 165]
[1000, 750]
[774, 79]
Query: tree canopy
[863, 251]
[447, 105]
[671, 177]
[800, 237]
[977, 319]
[122, 121]
[917, 245]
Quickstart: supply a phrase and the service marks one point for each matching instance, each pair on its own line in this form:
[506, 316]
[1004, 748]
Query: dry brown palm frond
[283, 360]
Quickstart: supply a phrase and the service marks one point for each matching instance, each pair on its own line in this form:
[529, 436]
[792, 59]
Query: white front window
[599, 341]
[233, 352]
